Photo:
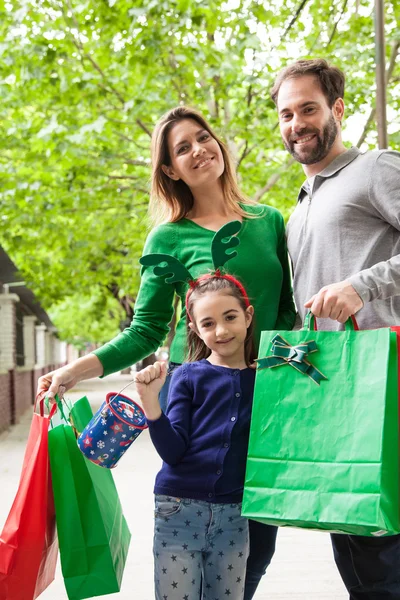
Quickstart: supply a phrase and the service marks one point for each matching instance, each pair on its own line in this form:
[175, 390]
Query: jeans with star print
[200, 550]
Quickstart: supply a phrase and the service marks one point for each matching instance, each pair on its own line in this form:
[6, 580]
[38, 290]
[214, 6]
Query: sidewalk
[302, 568]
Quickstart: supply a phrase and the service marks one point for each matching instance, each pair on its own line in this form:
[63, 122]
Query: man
[344, 243]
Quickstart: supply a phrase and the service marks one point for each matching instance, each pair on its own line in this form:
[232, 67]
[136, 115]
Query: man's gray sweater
[349, 228]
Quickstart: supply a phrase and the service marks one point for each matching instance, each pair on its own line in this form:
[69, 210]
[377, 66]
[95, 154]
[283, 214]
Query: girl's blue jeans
[200, 549]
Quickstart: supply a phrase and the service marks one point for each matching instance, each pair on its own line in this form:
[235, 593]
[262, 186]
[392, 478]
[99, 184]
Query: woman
[194, 192]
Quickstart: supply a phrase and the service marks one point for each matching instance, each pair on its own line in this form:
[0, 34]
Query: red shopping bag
[28, 542]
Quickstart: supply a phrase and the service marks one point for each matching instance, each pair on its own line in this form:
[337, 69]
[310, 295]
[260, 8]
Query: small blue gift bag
[114, 427]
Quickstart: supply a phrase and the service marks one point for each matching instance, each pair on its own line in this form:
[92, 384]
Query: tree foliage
[82, 83]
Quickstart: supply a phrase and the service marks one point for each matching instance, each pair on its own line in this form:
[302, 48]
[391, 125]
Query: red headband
[194, 283]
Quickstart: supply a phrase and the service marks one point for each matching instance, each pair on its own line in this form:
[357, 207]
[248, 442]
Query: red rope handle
[41, 398]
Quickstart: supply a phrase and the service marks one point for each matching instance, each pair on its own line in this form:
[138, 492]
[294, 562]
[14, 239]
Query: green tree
[82, 84]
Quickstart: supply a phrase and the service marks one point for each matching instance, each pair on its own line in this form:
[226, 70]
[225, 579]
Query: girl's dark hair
[196, 346]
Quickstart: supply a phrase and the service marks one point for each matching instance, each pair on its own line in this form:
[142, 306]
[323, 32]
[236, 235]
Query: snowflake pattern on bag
[111, 431]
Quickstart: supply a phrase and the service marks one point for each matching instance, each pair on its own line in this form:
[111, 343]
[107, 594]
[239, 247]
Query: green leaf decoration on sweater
[223, 243]
[174, 271]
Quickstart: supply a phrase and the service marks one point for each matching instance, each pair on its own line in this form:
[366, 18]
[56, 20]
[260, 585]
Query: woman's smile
[203, 162]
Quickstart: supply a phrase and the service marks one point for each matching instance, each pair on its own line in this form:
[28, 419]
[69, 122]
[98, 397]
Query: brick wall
[5, 403]
[17, 393]
[23, 392]
[39, 372]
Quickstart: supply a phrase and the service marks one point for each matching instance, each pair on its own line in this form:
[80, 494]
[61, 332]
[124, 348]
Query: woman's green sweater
[261, 265]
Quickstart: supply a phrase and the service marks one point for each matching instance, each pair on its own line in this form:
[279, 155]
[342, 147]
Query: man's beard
[324, 143]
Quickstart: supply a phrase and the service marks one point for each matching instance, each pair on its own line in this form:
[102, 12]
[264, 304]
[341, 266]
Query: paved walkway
[302, 568]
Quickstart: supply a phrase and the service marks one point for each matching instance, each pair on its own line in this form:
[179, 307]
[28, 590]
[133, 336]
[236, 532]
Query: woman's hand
[65, 378]
[56, 382]
[149, 382]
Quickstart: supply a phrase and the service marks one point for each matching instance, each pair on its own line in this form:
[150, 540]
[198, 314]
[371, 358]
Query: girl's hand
[149, 382]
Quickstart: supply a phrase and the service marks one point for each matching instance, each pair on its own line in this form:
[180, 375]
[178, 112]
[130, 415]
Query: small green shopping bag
[93, 534]
[324, 441]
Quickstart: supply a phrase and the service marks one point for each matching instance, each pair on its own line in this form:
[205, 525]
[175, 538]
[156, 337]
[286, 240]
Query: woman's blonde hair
[172, 200]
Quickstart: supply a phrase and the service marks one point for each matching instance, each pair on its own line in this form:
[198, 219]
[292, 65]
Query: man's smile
[304, 139]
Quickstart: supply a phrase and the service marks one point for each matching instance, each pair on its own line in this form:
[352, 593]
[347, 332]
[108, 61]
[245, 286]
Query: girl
[194, 191]
[200, 539]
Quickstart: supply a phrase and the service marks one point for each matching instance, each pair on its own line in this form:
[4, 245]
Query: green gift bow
[295, 356]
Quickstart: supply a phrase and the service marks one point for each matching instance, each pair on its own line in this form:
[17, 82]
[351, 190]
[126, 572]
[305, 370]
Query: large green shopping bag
[324, 441]
[92, 531]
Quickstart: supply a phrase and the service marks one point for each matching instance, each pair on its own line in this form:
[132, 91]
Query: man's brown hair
[331, 79]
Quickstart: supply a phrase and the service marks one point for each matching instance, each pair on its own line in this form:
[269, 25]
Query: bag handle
[111, 396]
[310, 323]
[41, 398]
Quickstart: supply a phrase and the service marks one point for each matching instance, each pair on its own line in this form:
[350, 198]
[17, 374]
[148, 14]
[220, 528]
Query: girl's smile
[225, 341]
[221, 322]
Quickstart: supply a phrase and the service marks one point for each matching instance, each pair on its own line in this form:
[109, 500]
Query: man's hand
[149, 382]
[337, 301]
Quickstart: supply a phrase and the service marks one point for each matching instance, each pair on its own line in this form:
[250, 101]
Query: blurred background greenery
[82, 84]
